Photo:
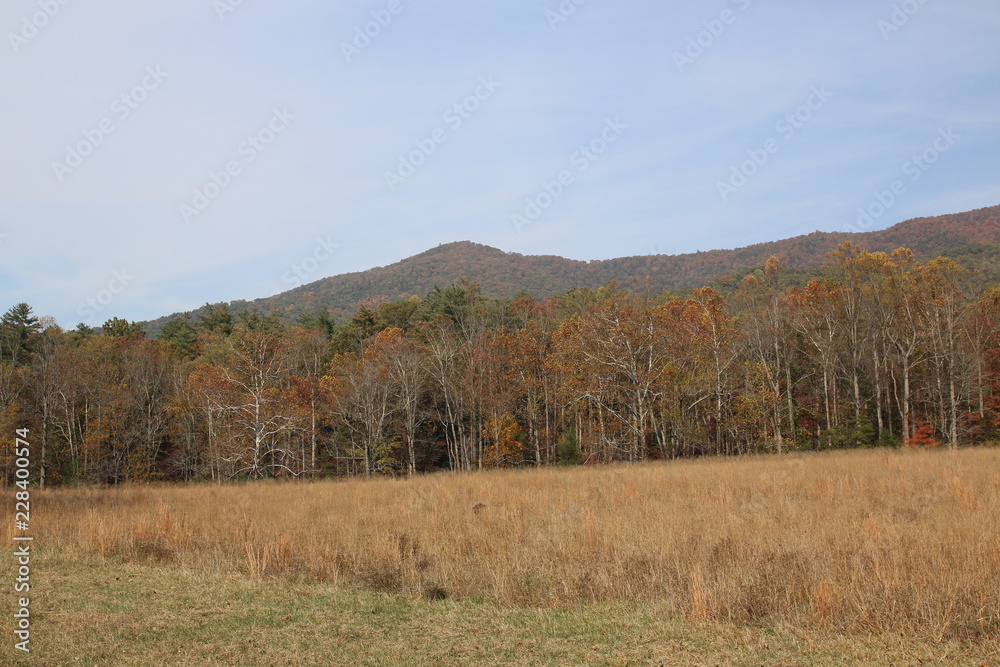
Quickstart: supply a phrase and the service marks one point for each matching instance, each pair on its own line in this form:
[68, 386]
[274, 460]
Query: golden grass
[872, 541]
[93, 613]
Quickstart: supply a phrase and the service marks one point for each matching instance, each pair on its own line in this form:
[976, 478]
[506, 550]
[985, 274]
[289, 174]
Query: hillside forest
[971, 238]
[883, 349]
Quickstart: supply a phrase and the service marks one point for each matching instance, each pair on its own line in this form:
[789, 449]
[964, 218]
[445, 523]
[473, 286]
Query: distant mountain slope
[972, 238]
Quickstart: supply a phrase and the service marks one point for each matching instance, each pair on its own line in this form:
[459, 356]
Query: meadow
[840, 550]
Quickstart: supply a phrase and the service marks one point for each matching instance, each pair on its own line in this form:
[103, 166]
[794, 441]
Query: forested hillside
[972, 239]
[881, 349]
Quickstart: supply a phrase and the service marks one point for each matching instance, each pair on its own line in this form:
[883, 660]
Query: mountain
[971, 238]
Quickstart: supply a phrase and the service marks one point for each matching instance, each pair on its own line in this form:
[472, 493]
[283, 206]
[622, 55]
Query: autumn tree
[613, 357]
[306, 392]
[715, 333]
[247, 394]
[813, 312]
[364, 399]
[881, 349]
[943, 279]
[408, 377]
[763, 318]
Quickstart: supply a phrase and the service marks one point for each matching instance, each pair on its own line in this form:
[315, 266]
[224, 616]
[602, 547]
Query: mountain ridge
[972, 238]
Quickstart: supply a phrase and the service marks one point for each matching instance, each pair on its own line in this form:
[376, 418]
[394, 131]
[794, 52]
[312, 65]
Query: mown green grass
[88, 611]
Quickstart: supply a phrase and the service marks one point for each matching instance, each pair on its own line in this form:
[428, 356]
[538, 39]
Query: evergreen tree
[217, 319]
[117, 328]
[181, 334]
[18, 329]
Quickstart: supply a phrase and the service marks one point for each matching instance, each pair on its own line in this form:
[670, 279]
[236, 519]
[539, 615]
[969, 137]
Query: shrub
[568, 449]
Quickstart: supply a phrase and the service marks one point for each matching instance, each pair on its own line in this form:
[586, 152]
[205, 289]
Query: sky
[155, 156]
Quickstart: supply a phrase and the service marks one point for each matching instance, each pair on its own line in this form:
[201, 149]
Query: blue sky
[158, 155]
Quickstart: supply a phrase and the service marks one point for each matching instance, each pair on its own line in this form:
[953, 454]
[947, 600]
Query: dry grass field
[863, 544]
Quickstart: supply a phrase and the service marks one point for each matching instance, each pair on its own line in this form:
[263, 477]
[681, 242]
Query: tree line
[884, 350]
